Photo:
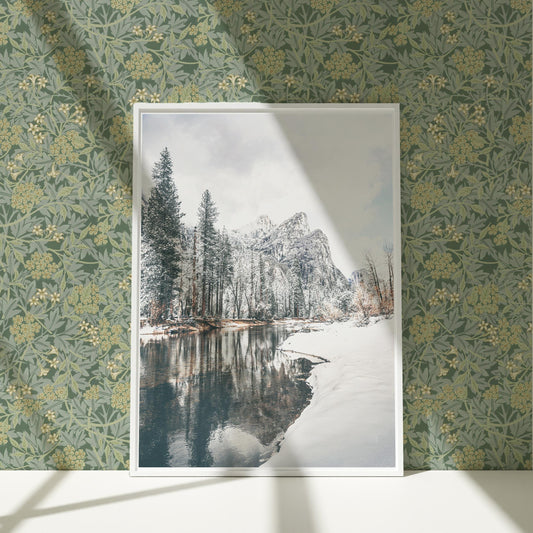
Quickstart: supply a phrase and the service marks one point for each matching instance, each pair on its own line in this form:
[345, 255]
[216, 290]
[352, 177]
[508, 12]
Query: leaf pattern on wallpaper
[70, 75]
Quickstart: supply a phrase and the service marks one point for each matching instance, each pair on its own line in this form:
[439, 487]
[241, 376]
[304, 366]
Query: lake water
[221, 398]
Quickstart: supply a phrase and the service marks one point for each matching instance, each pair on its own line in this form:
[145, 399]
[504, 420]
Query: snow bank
[151, 330]
[350, 419]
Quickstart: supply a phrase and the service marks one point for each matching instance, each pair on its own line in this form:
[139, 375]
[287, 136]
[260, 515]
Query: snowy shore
[205, 324]
[349, 421]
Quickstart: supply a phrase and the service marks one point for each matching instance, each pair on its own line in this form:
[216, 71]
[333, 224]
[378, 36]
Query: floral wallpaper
[70, 74]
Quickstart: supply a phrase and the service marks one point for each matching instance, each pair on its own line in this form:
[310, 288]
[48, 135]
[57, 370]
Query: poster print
[266, 316]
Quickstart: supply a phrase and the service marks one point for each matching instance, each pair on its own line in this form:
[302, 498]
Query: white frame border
[135, 470]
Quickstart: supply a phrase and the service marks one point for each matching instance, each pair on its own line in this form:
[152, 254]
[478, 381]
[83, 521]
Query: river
[222, 398]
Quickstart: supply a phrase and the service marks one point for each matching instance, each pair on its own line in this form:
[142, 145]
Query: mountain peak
[261, 225]
[299, 217]
[264, 221]
[297, 225]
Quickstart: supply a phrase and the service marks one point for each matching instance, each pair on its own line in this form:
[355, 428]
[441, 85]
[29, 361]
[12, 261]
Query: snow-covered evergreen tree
[224, 271]
[207, 235]
[161, 231]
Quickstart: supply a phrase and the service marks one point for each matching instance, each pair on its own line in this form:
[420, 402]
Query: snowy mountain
[260, 227]
[293, 243]
[298, 260]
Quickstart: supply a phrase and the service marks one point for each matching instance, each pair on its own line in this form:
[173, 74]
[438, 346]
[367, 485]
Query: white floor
[428, 502]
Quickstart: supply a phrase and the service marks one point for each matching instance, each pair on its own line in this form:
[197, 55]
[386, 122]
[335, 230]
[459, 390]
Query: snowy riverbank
[195, 325]
[350, 419]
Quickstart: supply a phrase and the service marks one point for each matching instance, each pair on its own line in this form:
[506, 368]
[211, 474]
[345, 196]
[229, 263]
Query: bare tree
[374, 279]
[390, 268]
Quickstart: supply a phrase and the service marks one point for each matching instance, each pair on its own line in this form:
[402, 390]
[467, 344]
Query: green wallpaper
[69, 76]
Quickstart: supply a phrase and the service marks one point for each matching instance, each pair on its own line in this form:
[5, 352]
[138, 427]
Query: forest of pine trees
[207, 272]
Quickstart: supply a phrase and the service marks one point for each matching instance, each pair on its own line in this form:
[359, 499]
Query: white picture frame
[325, 114]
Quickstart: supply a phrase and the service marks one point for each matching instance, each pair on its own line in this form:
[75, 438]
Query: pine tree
[207, 215]
[150, 275]
[194, 306]
[250, 298]
[162, 233]
[224, 271]
[298, 299]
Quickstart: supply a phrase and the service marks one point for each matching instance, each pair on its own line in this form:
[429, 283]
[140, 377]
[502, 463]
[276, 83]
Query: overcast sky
[335, 166]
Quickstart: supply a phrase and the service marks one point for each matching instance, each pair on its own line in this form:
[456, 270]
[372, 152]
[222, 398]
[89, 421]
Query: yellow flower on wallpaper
[122, 129]
[424, 328]
[85, 298]
[70, 61]
[469, 459]
[69, 458]
[521, 397]
[341, 66]
[141, 66]
[51, 393]
[24, 328]
[110, 334]
[66, 147]
[485, 299]
[521, 129]
[92, 393]
[123, 5]
[469, 60]
[185, 93]
[121, 397]
[323, 5]
[441, 265]
[410, 135]
[227, 7]
[41, 265]
[492, 393]
[524, 6]
[425, 196]
[269, 60]
[25, 196]
[9, 135]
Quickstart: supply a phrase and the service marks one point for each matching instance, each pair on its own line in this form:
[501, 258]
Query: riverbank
[195, 325]
[350, 419]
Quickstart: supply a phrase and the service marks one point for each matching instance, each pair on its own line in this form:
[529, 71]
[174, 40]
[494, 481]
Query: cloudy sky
[334, 165]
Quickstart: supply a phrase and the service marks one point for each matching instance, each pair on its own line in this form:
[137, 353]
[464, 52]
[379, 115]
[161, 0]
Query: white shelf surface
[428, 502]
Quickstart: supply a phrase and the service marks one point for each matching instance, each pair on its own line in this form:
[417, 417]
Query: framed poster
[266, 319]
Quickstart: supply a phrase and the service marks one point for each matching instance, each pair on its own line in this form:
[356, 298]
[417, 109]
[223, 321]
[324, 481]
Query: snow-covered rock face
[293, 243]
[291, 246]
[295, 227]
[314, 254]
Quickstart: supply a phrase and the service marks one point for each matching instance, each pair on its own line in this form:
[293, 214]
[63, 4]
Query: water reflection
[218, 398]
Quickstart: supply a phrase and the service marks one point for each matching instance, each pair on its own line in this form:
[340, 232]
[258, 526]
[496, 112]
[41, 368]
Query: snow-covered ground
[231, 324]
[349, 421]
[151, 330]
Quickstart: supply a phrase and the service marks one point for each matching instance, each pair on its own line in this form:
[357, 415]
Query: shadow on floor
[10, 522]
[293, 503]
[512, 493]
[28, 509]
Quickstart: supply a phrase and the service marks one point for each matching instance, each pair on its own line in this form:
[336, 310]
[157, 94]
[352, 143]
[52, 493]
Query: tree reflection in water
[220, 398]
